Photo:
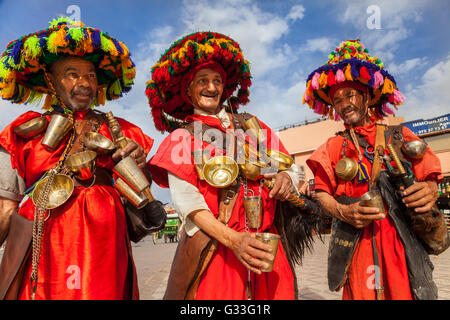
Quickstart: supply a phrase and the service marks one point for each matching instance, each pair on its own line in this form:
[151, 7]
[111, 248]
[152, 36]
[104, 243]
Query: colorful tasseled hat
[351, 62]
[165, 91]
[23, 63]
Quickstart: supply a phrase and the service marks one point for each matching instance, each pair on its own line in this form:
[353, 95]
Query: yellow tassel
[348, 73]
[388, 86]
[323, 80]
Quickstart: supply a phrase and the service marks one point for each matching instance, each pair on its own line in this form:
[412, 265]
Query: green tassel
[106, 44]
[76, 34]
[32, 47]
[115, 89]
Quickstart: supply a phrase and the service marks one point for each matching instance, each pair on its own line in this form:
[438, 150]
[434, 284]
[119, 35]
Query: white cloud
[322, 44]
[297, 12]
[431, 96]
[407, 66]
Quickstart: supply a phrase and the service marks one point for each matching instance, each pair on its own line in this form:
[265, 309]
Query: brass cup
[60, 191]
[280, 159]
[128, 170]
[251, 170]
[273, 240]
[414, 149]
[32, 128]
[99, 143]
[138, 200]
[253, 211]
[58, 127]
[254, 125]
[82, 164]
[346, 168]
[373, 199]
[220, 171]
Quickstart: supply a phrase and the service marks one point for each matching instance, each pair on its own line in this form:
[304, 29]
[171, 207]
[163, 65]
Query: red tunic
[86, 252]
[225, 276]
[394, 273]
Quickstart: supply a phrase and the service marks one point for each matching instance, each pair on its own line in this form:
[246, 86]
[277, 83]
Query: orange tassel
[48, 102]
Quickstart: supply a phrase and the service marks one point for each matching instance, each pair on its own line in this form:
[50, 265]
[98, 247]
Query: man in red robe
[383, 259]
[207, 68]
[85, 251]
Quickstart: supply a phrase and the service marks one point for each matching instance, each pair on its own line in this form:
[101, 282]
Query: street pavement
[153, 266]
[153, 263]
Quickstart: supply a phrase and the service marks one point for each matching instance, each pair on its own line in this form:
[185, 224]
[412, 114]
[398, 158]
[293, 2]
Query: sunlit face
[75, 82]
[205, 90]
[351, 105]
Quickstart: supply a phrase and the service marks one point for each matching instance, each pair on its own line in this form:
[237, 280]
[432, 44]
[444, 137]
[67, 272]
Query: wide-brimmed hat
[351, 64]
[23, 64]
[171, 74]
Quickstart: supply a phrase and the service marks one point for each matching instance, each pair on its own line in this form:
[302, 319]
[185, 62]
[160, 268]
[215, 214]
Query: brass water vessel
[346, 169]
[61, 189]
[57, 129]
[280, 159]
[97, 142]
[32, 128]
[220, 171]
[414, 149]
[82, 164]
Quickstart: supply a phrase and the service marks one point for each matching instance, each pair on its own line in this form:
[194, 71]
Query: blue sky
[283, 40]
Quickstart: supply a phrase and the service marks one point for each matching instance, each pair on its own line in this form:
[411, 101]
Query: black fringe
[300, 226]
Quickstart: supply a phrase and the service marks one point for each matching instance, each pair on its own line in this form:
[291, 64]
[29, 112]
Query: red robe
[86, 252]
[394, 274]
[225, 277]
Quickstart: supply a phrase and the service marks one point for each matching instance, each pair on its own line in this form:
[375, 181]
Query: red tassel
[331, 81]
[364, 75]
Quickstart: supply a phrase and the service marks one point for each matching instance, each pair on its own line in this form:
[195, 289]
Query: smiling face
[205, 90]
[352, 106]
[75, 82]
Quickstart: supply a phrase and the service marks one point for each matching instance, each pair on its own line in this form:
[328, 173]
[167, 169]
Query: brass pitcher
[346, 168]
[128, 170]
[253, 210]
[32, 128]
[138, 200]
[57, 129]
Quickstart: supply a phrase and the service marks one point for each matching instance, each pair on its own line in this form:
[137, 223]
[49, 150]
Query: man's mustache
[82, 91]
[350, 108]
[209, 93]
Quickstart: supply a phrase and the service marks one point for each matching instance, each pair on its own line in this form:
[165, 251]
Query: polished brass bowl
[82, 163]
[346, 168]
[99, 143]
[414, 149]
[252, 170]
[220, 171]
[282, 160]
[32, 128]
[60, 191]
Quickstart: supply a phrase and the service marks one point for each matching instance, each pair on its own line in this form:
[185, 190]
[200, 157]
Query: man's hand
[134, 150]
[282, 187]
[251, 251]
[354, 214]
[357, 215]
[421, 196]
